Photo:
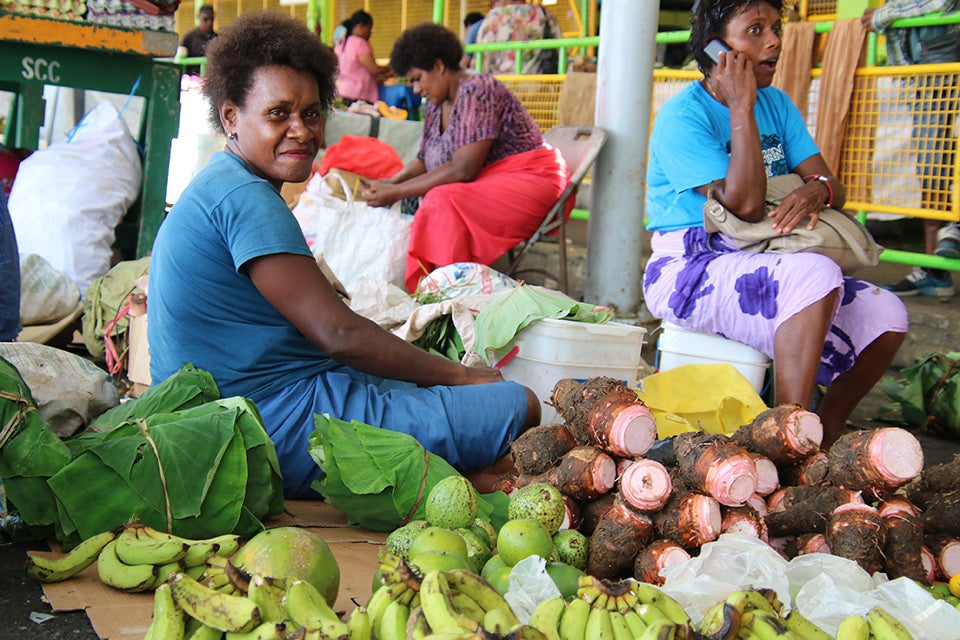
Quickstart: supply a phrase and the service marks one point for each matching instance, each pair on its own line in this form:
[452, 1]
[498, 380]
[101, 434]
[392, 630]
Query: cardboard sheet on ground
[126, 616]
[713, 397]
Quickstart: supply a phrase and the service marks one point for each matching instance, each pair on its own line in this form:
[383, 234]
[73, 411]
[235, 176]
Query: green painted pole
[438, 7]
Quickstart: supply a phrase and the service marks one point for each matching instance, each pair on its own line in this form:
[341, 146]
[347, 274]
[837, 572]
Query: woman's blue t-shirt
[203, 307]
[690, 147]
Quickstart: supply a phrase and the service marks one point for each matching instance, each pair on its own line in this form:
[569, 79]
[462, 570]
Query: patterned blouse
[516, 23]
[485, 109]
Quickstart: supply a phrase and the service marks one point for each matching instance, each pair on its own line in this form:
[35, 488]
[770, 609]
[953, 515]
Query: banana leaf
[198, 473]
[188, 387]
[30, 452]
[928, 395]
[379, 478]
[501, 320]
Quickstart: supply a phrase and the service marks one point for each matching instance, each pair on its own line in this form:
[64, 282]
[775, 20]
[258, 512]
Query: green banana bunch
[437, 603]
[66, 566]
[762, 625]
[720, 622]
[267, 631]
[199, 550]
[140, 544]
[229, 613]
[215, 576]
[767, 617]
[358, 624]
[885, 627]
[651, 595]
[598, 625]
[393, 623]
[307, 608]
[573, 622]
[481, 592]
[269, 598]
[607, 594]
[201, 631]
[119, 575]
[546, 616]
[396, 570]
[168, 620]
[854, 627]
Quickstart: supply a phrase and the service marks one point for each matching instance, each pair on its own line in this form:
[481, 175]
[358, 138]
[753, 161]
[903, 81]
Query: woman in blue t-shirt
[235, 290]
[726, 134]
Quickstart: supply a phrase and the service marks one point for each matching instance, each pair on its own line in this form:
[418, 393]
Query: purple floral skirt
[700, 282]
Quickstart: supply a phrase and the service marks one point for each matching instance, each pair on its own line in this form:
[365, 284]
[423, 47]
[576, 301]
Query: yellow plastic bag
[713, 397]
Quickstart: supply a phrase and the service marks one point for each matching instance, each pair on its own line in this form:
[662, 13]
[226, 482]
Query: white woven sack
[69, 197]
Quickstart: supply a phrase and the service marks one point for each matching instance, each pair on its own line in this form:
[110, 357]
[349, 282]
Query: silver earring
[231, 136]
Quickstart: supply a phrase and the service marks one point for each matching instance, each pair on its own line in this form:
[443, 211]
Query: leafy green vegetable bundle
[380, 478]
[929, 394]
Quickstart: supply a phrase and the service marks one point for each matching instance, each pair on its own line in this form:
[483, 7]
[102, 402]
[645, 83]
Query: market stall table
[37, 51]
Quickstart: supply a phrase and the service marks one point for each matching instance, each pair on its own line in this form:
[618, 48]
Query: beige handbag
[837, 235]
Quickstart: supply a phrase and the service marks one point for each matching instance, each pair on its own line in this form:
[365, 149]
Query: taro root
[537, 449]
[618, 537]
[875, 461]
[856, 532]
[584, 473]
[714, 465]
[743, 520]
[646, 485]
[785, 433]
[945, 554]
[904, 537]
[806, 509]
[690, 519]
[814, 470]
[655, 557]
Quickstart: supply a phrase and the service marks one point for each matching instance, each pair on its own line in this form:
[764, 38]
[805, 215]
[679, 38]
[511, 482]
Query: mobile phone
[714, 47]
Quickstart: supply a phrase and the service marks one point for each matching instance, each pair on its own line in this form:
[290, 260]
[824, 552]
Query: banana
[748, 600]
[417, 626]
[230, 613]
[660, 630]
[802, 626]
[140, 544]
[199, 550]
[626, 601]
[269, 599]
[264, 631]
[546, 616]
[307, 607]
[721, 622]
[650, 613]
[70, 564]
[437, 605]
[393, 625]
[649, 594]
[522, 632]
[481, 591]
[854, 627]
[767, 626]
[885, 627]
[131, 578]
[203, 632]
[164, 571]
[467, 606]
[498, 622]
[636, 623]
[619, 626]
[573, 622]
[358, 624]
[168, 621]
[195, 572]
[598, 625]
[376, 605]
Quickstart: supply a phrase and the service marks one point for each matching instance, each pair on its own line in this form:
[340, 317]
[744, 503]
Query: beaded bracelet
[825, 180]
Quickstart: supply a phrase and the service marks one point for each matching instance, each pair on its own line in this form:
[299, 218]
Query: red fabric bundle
[365, 156]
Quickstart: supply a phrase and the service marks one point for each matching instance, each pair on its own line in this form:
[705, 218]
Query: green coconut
[286, 554]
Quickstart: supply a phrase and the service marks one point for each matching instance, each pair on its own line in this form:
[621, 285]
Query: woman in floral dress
[727, 134]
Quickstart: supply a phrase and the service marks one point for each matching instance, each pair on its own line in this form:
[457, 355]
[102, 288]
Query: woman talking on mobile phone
[725, 135]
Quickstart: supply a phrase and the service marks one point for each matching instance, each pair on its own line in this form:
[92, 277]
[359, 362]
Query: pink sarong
[479, 221]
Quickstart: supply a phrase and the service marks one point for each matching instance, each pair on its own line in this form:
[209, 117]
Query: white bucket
[550, 350]
[677, 347]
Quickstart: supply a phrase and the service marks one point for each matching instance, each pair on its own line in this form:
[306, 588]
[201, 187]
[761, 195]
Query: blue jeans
[9, 276]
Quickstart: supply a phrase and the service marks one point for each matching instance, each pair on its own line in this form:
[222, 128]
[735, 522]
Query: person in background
[518, 21]
[933, 127]
[358, 67]
[9, 276]
[195, 41]
[236, 291]
[471, 23]
[486, 174]
[725, 135]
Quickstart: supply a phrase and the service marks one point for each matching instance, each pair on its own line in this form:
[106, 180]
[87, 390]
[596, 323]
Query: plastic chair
[579, 147]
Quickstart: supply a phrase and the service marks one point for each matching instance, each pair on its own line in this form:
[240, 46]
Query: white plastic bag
[69, 197]
[354, 238]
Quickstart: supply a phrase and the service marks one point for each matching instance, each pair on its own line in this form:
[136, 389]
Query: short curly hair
[708, 20]
[259, 39]
[422, 45]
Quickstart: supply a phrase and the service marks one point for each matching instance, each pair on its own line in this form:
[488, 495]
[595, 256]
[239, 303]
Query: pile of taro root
[647, 504]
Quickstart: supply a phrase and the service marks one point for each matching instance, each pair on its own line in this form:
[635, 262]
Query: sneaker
[921, 282]
[948, 241]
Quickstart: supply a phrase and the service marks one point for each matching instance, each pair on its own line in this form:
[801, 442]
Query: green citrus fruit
[438, 539]
[519, 539]
[452, 503]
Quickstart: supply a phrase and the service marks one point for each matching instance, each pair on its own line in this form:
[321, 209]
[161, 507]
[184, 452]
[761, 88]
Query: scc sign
[40, 69]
